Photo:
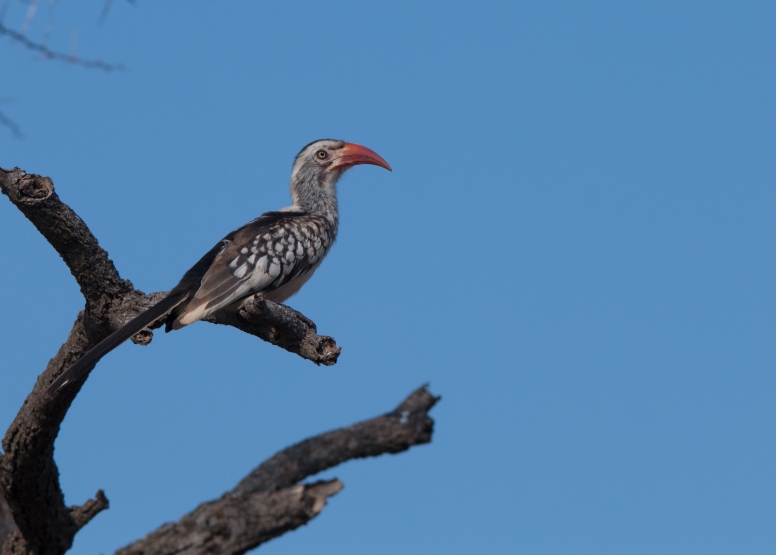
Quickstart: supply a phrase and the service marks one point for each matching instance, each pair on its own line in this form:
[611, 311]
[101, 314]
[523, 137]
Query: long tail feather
[85, 364]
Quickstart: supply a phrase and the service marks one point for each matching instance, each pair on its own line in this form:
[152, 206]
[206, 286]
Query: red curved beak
[352, 154]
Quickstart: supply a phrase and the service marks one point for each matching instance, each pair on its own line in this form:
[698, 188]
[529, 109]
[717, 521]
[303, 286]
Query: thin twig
[51, 55]
[105, 11]
[30, 16]
[12, 125]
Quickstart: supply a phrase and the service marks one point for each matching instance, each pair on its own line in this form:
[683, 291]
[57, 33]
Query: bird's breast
[277, 257]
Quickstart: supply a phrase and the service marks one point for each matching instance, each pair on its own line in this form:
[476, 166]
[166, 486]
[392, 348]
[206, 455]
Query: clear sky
[575, 248]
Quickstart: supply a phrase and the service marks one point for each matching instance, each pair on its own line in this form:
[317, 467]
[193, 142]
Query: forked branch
[267, 503]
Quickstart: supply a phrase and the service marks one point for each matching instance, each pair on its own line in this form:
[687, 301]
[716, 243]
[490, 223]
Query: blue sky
[575, 248]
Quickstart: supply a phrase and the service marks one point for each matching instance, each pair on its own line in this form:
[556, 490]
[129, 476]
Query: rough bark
[281, 326]
[6, 520]
[407, 425]
[270, 502]
[266, 504]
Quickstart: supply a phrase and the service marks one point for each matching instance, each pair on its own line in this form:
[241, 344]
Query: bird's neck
[317, 200]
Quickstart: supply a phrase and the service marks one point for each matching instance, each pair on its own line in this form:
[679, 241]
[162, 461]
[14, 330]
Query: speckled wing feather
[271, 252]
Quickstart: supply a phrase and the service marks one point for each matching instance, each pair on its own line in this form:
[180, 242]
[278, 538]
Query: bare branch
[86, 512]
[281, 326]
[105, 10]
[51, 55]
[238, 525]
[29, 479]
[95, 273]
[112, 301]
[269, 502]
[407, 425]
[5, 121]
[31, 11]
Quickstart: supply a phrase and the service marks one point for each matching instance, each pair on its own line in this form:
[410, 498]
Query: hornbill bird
[274, 255]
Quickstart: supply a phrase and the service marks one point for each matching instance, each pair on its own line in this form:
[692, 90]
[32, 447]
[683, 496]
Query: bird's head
[319, 166]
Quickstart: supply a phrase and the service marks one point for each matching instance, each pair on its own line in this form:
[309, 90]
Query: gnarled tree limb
[407, 425]
[270, 502]
[29, 479]
[112, 301]
[95, 273]
[282, 326]
[42, 524]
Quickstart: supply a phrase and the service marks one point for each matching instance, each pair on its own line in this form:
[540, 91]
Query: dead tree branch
[281, 326]
[112, 301]
[267, 503]
[270, 502]
[49, 54]
[16, 131]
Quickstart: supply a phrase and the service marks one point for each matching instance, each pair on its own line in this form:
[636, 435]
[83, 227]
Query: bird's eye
[322, 154]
